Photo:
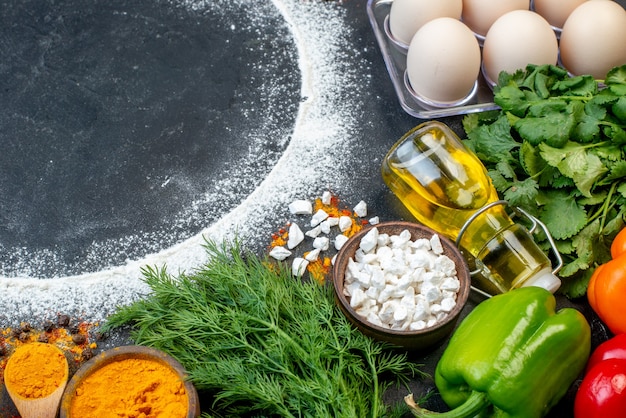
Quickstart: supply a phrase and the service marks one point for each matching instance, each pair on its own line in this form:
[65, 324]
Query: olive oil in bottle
[447, 188]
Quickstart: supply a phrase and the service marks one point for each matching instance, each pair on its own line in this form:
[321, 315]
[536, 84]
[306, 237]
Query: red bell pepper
[602, 392]
[612, 348]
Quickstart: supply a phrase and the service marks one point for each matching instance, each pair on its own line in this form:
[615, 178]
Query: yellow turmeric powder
[131, 388]
[35, 370]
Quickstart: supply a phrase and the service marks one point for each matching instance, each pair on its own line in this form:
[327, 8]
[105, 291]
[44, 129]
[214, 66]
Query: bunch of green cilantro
[556, 148]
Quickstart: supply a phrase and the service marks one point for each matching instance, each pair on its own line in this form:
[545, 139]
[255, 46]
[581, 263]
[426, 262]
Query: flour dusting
[315, 160]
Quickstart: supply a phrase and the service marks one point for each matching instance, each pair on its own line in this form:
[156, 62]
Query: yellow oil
[443, 184]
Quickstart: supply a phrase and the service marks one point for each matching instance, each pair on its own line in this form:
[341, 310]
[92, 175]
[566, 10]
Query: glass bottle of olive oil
[447, 188]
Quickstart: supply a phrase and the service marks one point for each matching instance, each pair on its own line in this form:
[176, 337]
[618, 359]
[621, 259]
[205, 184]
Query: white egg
[443, 60]
[516, 39]
[407, 16]
[479, 15]
[593, 38]
[556, 11]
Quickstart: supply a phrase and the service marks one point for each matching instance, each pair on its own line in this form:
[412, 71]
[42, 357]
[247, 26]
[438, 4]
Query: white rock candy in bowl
[402, 283]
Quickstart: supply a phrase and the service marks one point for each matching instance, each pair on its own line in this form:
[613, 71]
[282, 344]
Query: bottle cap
[544, 278]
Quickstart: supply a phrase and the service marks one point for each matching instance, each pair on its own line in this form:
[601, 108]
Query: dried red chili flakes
[280, 237]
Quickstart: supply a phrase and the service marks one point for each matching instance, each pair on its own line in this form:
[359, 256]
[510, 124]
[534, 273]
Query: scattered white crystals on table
[328, 226]
[299, 265]
[340, 240]
[345, 223]
[280, 253]
[327, 197]
[318, 217]
[401, 284]
[360, 209]
[321, 243]
[313, 255]
[296, 236]
[301, 207]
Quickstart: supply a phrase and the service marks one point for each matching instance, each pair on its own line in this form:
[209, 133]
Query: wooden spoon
[43, 407]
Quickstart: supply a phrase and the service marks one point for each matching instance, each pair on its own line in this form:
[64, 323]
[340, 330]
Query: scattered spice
[35, 370]
[280, 238]
[79, 339]
[48, 325]
[73, 343]
[63, 320]
[335, 211]
[131, 388]
[319, 268]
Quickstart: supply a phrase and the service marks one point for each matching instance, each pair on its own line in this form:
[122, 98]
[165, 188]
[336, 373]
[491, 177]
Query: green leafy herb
[262, 342]
[557, 149]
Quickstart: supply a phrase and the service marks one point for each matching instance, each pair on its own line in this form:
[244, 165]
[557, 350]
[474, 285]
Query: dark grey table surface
[383, 123]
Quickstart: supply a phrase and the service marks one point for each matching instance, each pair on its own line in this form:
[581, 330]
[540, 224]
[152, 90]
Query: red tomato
[606, 291]
[618, 246]
[602, 393]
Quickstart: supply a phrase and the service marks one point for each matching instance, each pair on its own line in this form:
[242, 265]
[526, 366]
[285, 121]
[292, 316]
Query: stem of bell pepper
[476, 402]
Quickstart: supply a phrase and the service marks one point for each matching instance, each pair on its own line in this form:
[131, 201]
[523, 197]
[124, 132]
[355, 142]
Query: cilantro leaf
[616, 80]
[576, 287]
[563, 217]
[584, 168]
[549, 122]
[577, 264]
[493, 142]
[510, 98]
[582, 85]
[562, 182]
[619, 108]
[522, 193]
[535, 166]
[577, 163]
[617, 172]
[499, 181]
[590, 242]
[506, 169]
[616, 133]
[587, 129]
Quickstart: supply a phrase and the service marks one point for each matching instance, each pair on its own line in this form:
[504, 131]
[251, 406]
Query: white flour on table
[314, 160]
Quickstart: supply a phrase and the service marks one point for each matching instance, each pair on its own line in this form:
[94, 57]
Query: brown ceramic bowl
[415, 340]
[124, 353]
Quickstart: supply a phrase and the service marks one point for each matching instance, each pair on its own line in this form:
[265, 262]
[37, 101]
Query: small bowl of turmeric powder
[130, 381]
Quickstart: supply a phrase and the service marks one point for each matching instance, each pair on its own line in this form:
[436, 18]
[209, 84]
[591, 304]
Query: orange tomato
[618, 246]
[606, 293]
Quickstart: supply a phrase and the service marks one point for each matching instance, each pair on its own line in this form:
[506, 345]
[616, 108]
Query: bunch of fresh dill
[263, 343]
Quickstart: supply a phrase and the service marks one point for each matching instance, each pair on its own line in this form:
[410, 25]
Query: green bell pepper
[512, 356]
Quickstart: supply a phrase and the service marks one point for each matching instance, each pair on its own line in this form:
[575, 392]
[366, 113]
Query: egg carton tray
[395, 61]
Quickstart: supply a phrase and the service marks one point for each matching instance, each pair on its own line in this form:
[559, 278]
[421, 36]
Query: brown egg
[556, 11]
[479, 15]
[516, 39]
[443, 60]
[593, 38]
[407, 16]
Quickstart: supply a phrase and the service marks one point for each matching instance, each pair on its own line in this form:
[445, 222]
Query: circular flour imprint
[295, 147]
[128, 128]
